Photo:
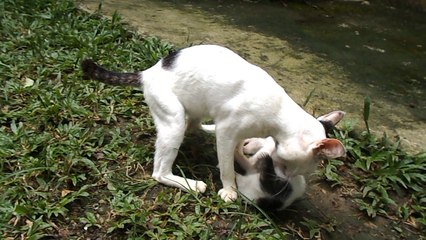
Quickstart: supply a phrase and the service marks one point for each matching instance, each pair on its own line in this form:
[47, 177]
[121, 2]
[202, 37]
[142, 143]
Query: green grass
[76, 156]
[389, 181]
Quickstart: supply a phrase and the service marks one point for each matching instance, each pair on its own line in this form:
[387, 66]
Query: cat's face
[293, 161]
[302, 159]
[300, 156]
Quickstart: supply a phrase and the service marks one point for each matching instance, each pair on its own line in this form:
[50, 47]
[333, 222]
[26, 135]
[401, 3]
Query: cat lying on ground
[263, 183]
[209, 81]
[260, 179]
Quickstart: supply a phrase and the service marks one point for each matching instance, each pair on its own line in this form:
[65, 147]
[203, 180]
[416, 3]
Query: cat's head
[301, 155]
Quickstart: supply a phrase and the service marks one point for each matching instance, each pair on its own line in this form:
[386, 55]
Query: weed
[391, 182]
[366, 113]
[308, 98]
[314, 228]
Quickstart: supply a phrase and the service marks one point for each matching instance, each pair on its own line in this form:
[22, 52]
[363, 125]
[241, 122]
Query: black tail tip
[88, 66]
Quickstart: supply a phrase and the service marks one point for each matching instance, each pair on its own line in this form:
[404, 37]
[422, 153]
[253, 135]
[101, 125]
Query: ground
[76, 156]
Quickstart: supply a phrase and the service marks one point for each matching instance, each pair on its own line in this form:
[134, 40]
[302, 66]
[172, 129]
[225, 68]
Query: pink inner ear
[330, 148]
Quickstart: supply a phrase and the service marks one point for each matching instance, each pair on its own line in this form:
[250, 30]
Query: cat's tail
[93, 71]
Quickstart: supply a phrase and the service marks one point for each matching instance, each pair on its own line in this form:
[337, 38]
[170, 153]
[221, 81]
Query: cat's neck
[292, 120]
[295, 128]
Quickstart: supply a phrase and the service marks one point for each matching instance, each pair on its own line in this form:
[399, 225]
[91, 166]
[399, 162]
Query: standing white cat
[209, 81]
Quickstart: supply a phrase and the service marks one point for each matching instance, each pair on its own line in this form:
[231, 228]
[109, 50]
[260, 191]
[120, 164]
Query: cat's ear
[333, 117]
[329, 148]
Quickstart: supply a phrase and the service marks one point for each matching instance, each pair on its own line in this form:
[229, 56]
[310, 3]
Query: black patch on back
[169, 60]
[328, 127]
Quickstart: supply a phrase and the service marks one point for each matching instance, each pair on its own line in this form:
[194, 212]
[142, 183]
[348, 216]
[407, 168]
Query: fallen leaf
[28, 82]
[412, 222]
[65, 192]
[29, 223]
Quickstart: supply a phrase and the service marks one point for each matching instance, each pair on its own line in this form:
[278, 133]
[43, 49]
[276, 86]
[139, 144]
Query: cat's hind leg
[169, 118]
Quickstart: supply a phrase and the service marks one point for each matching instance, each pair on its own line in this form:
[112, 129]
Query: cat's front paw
[252, 145]
[200, 186]
[228, 194]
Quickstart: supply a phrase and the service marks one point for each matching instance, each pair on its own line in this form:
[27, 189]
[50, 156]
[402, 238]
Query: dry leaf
[65, 192]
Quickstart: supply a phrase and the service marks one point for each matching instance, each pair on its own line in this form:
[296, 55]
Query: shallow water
[345, 50]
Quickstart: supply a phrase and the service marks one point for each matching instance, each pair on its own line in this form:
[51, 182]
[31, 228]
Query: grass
[76, 156]
[388, 181]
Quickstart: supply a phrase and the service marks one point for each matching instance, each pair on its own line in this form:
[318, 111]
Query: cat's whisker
[283, 189]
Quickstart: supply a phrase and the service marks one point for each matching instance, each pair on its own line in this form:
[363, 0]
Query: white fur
[249, 184]
[242, 99]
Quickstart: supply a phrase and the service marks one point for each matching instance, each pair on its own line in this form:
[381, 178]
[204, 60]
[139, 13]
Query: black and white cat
[262, 180]
[209, 81]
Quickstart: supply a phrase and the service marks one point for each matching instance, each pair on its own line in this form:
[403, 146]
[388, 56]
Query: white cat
[261, 179]
[209, 81]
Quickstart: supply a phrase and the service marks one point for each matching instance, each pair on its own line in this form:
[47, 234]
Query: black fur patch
[169, 60]
[238, 169]
[269, 204]
[328, 127]
[270, 182]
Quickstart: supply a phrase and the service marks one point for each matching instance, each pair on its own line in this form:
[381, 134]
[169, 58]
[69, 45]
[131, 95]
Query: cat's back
[204, 57]
[206, 63]
[215, 64]
[209, 52]
[214, 75]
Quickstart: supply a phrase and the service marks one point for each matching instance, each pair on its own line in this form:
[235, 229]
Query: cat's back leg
[169, 118]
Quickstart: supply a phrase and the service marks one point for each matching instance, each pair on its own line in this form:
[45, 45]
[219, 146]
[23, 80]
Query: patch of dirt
[333, 207]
